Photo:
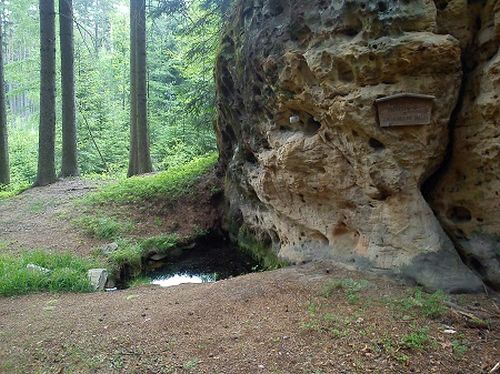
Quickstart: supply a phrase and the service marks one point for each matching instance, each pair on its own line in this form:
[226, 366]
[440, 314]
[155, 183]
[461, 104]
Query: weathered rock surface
[467, 196]
[98, 278]
[311, 174]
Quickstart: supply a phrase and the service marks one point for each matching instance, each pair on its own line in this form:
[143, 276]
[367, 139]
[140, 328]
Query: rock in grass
[109, 248]
[37, 268]
[98, 278]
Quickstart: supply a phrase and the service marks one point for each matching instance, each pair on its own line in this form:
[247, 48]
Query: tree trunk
[69, 165]
[132, 166]
[138, 90]
[4, 149]
[47, 131]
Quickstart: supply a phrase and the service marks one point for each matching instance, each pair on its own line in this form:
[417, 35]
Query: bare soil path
[39, 218]
[273, 322]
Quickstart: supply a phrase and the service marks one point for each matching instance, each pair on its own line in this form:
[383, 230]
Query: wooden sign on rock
[404, 109]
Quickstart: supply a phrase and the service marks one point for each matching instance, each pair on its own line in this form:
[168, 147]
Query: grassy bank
[169, 184]
[65, 273]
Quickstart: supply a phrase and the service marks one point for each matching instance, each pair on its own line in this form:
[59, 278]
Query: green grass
[430, 305]
[12, 190]
[102, 227]
[459, 347]
[417, 339]
[350, 287]
[139, 281]
[68, 273]
[168, 184]
[37, 207]
[191, 364]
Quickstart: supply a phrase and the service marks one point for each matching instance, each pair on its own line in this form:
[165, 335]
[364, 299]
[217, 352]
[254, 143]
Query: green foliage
[128, 254]
[430, 305]
[459, 347]
[191, 364]
[133, 254]
[165, 185]
[417, 339]
[349, 286]
[181, 53]
[139, 281]
[102, 227]
[67, 273]
[160, 244]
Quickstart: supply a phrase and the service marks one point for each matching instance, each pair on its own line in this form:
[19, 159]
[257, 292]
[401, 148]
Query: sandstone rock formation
[309, 171]
[466, 197]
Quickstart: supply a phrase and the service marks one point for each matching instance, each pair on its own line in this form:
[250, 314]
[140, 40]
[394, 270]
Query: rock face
[467, 196]
[311, 174]
[98, 278]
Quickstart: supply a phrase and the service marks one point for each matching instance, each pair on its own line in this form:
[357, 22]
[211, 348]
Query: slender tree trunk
[47, 130]
[145, 165]
[4, 148]
[69, 152]
[140, 158]
[132, 166]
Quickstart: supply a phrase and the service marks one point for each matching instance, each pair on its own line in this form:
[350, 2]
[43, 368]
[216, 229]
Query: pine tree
[47, 130]
[69, 166]
[140, 158]
[4, 148]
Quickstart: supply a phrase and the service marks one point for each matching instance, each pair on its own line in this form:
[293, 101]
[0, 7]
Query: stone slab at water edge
[310, 171]
[98, 278]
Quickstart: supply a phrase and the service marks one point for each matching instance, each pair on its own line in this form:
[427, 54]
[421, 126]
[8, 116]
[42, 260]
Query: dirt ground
[272, 322]
[38, 218]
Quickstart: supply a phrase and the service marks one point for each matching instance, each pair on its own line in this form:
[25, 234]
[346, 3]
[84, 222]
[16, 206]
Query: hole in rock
[459, 214]
[345, 71]
[312, 126]
[352, 26]
[375, 144]
[441, 4]
[382, 7]
[250, 157]
[299, 121]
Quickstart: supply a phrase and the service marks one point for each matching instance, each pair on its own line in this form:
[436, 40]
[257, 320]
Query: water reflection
[176, 279]
[201, 264]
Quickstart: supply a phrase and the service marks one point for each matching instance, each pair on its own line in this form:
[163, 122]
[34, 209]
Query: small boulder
[109, 248]
[37, 268]
[98, 278]
[158, 256]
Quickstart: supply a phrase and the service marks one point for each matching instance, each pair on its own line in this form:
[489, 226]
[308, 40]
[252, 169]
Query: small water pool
[176, 279]
[205, 263]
